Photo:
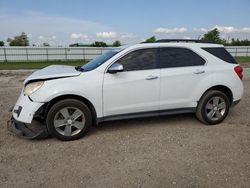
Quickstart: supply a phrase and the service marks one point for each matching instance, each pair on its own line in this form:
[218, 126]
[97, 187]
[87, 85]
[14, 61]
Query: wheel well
[223, 89]
[77, 97]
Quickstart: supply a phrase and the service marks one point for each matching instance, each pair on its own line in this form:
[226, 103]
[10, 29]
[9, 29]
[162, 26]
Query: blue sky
[60, 22]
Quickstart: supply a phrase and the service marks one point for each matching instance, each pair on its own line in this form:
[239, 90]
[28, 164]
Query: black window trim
[204, 49]
[158, 57]
[133, 50]
[202, 57]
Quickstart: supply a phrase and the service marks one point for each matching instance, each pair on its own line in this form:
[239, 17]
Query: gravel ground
[171, 151]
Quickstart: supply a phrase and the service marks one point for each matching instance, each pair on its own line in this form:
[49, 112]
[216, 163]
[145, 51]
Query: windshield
[93, 64]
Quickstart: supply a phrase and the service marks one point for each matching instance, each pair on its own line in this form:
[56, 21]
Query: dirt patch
[171, 151]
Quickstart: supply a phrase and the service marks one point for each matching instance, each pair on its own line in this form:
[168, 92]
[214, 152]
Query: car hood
[52, 72]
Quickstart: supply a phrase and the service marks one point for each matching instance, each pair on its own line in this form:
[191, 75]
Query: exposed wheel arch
[223, 89]
[77, 97]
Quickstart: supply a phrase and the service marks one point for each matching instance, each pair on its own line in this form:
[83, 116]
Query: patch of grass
[243, 59]
[37, 65]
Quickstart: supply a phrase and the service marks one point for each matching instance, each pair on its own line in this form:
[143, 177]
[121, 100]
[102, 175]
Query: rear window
[221, 53]
[179, 57]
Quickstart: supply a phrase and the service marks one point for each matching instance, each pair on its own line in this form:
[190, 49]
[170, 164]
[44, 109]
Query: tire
[68, 119]
[211, 112]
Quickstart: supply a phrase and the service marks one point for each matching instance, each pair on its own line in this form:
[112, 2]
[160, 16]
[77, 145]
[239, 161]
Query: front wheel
[213, 107]
[68, 119]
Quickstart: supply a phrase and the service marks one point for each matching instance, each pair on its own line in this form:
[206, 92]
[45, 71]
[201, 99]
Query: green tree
[1, 43]
[213, 36]
[150, 40]
[238, 42]
[20, 40]
[117, 43]
[245, 42]
[99, 44]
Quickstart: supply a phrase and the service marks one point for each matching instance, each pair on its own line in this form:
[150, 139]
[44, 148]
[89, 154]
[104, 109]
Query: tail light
[239, 71]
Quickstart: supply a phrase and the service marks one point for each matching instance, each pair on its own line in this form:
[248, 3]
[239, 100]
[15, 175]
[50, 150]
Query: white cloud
[130, 38]
[203, 30]
[29, 35]
[78, 36]
[185, 37]
[106, 35]
[41, 26]
[128, 35]
[63, 30]
[245, 29]
[171, 30]
[231, 29]
[51, 40]
[41, 37]
[224, 29]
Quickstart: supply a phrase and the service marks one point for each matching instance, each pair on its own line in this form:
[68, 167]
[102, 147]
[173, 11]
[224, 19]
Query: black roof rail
[183, 40]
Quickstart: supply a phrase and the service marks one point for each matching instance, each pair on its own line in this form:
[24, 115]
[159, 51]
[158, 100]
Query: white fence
[238, 50]
[8, 54]
[49, 53]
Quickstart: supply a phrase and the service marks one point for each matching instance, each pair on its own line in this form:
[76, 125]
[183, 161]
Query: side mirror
[116, 67]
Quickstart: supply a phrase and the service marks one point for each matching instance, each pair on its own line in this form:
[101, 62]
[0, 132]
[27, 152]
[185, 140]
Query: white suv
[165, 77]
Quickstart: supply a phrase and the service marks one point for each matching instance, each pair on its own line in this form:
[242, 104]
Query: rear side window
[139, 60]
[179, 57]
[221, 53]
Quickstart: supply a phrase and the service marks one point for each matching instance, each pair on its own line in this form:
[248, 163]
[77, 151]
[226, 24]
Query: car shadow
[168, 120]
[137, 123]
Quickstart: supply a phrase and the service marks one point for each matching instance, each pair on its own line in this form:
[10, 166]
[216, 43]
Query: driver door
[137, 88]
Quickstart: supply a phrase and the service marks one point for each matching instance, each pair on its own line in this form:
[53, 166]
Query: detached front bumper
[22, 130]
[22, 115]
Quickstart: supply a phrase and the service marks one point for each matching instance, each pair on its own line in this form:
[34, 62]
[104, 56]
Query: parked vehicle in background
[161, 78]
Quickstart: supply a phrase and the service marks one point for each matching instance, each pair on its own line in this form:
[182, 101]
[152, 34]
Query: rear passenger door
[181, 70]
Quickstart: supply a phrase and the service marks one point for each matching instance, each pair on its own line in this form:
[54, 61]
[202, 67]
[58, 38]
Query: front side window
[139, 60]
[179, 57]
[93, 64]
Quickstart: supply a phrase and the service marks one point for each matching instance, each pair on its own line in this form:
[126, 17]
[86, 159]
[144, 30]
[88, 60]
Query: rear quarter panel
[221, 74]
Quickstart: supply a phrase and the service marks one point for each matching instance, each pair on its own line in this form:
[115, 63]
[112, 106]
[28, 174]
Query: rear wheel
[213, 107]
[69, 119]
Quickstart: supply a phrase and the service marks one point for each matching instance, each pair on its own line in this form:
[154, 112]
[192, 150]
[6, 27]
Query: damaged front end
[28, 109]
[22, 130]
[36, 130]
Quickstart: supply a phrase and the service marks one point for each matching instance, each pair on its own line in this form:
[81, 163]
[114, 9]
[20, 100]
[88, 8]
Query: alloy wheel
[69, 121]
[215, 108]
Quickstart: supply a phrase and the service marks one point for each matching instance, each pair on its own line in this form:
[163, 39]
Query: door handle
[151, 77]
[199, 72]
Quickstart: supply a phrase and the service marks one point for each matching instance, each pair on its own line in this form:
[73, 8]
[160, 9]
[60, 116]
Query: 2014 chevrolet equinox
[153, 79]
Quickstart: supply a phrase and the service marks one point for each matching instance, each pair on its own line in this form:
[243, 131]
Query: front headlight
[32, 87]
